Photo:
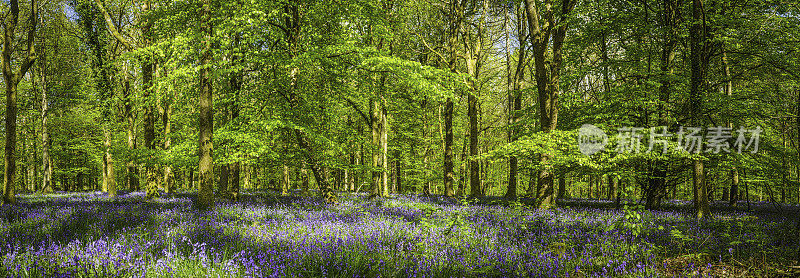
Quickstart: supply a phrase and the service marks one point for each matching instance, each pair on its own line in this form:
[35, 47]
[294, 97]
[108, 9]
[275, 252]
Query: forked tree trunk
[547, 41]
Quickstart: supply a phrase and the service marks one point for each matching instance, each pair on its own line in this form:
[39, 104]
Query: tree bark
[699, 44]
[473, 69]
[148, 66]
[169, 180]
[109, 179]
[514, 100]
[377, 165]
[384, 146]
[222, 182]
[547, 63]
[47, 171]
[205, 199]
[285, 181]
[398, 176]
[304, 179]
[11, 80]
[455, 24]
[734, 187]
[132, 175]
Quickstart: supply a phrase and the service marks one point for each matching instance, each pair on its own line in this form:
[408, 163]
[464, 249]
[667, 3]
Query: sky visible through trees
[437, 138]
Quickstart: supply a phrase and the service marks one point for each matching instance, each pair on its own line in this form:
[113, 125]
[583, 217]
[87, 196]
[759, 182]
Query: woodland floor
[267, 235]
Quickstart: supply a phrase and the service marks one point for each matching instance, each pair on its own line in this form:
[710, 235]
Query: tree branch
[111, 27]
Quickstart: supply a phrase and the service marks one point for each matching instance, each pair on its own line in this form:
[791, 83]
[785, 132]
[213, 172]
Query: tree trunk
[454, 27]
[205, 199]
[376, 120]
[398, 176]
[248, 169]
[473, 69]
[151, 185]
[656, 189]
[547, 63]
[109, 179]
[236, 86]
[132, 175]
[47, 171]
[11, 80]
[699, 182]
[285, 181]
[384, 147]
[169, 182]
[304, 179]
[222, 182]
[699, 47]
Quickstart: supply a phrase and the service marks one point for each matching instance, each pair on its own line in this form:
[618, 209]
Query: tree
[205, 199]
[548, 30]
[513, 86]
[11, 80]
[700, 47]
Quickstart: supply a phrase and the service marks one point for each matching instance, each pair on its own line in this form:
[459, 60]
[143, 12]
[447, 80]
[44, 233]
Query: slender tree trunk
[169, 180]
[734, 192]
[356, 174]
[109, 182]
[699, 47]
[304, 179]
[384, 147]
[151, 186]
[398, 176]
[375, 124]
[205, 199]
[285, 181]
[349, 174]
[47, 171]
[473, 69]
[455, 24]
[132, 175]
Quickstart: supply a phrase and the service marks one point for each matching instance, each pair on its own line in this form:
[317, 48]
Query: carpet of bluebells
[267, 235]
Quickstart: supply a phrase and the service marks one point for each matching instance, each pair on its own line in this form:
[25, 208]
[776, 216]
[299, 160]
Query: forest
[400, 138]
